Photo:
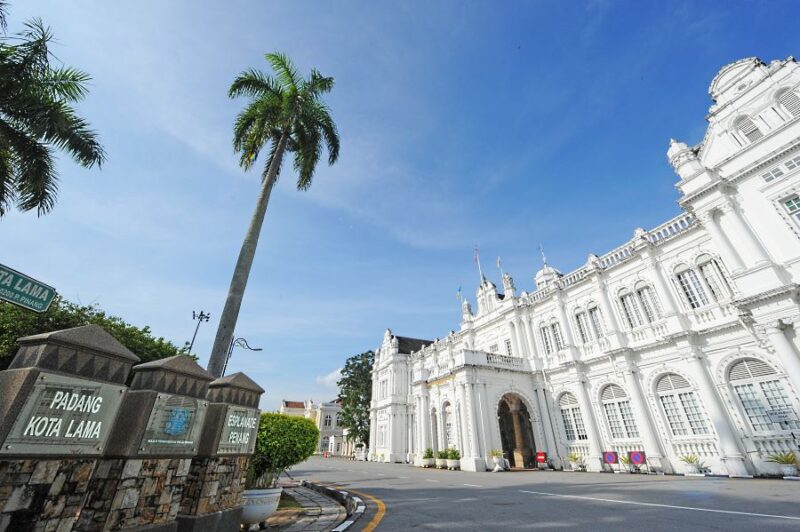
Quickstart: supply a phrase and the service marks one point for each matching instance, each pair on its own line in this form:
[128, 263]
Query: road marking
[378, 515]
[402, 477]
[732, 512]
[430, 480]
[473, 485]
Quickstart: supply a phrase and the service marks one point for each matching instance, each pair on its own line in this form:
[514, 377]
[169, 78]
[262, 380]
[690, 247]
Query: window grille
[594, 317]
[773, 174]
[509, 350]
[761, 393]
[790, 101]
[583, 326]
[631, 310]
[648, 302]
[683, 413]
[793, 206]
[618, 412]
[559, 342]
[749, 129]
[545, 334]
[792, 163]
[692, 289]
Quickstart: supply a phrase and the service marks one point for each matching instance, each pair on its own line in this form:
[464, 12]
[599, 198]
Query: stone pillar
[547, 427]
[753, 250]
[731, 456]
[729, 254]
[140, 481]
[523, 454]
[373, 433]
[49, 445]
[785, 352]
[212, 497]
[644, 421]
[466, 449]
[594, 462]
[479, 451]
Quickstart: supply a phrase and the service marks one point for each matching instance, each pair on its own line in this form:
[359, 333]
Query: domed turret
[546, 276]
[683, 160]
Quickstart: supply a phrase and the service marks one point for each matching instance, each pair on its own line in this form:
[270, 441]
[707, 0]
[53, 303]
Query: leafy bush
[575, 458]
[787, 458]
[692, 459]
[442, 454]
[428, 453]
[282, 442]
[453, 454]
[497, 453]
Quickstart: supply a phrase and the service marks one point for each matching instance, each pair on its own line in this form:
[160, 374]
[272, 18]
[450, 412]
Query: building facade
[681, 342]
[327, 417]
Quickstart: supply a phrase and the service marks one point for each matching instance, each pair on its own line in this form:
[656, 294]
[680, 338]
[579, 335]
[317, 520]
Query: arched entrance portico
[516, 431]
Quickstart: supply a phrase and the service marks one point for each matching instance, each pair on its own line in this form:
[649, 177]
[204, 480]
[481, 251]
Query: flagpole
[478, 261]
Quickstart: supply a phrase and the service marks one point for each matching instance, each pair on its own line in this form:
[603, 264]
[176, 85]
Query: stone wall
[42, 495]
[214, 485]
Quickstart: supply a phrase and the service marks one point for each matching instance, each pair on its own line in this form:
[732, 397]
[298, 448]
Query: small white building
[682, 341]
[327, 417]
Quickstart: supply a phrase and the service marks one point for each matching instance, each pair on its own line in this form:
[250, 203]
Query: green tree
[37, 118]
[285, 114]
[16, 322]
[355, 393]
[282, 442]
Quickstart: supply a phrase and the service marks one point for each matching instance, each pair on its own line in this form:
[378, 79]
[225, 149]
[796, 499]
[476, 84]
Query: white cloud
[330, 379]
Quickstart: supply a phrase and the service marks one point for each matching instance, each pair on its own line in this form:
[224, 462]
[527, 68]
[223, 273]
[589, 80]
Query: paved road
[540, 500]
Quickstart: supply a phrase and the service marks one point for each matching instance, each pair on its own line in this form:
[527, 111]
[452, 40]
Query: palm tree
[285, 114]
[36, 118]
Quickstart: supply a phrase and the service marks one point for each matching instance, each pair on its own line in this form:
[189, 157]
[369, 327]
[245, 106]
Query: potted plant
[626, 465]
[787, 461]
[427, 458]
[453, 459]
[282, 442]
[441, 458]
[497, 458]
[693, 463]
[575, 461]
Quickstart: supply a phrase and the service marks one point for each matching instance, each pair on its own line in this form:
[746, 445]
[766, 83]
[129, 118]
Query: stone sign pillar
[212, 498]
[139, 483]
[59, 399]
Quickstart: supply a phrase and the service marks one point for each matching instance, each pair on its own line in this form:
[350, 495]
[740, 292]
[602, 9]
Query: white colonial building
[328, 418]
[682, 341]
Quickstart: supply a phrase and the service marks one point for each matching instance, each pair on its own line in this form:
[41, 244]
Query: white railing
[671, 228]
[494, 360]
[618, 255]
[574, 277]
[706, 316]
[768, 445]
[699, 448]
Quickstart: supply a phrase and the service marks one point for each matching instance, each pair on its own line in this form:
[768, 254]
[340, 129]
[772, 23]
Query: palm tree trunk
[227, 322]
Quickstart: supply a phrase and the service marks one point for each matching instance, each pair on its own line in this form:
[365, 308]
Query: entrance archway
[516, 431]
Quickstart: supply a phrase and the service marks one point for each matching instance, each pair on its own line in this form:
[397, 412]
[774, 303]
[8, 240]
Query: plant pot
[498, 464]
[259, 504]
[789, 470]
[453, 464]
[575, 466]
[691, 469]
[441, 463]
[428, 462]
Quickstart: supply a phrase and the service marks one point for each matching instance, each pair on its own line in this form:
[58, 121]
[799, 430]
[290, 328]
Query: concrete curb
[354, 506]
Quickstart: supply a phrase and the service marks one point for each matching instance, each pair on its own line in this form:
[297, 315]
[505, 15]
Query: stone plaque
[64, 416]
[239, 431]
[174, 425]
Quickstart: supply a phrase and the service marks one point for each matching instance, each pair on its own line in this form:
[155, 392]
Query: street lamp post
[200, 317]
[237, 342]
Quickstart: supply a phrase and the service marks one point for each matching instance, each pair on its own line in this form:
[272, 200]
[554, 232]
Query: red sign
[541, 458]
[637, 457]
[610, 457]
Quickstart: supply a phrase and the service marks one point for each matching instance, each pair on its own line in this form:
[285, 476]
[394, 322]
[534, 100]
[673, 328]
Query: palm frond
[8, 193]
[35, 176]
[3, 16]
[65, 83]
[306, 155]
[254, 83]
[317, 84]
[285, 71]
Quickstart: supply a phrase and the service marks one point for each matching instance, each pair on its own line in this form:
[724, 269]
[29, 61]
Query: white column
[785, 352]
[527, 329]
[730, 454]
[744, 234]
[522, 349]
[474, 408]
[644, 421]
[670, 305]
[595, 445]
[425, 420]
[466, 444]
[552, 449]
[373, 431]
[515, 346]
[605, 305]
[729, 255]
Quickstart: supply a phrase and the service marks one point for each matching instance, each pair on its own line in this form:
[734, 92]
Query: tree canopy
[355, 393]
[37, 117]
[16, 322]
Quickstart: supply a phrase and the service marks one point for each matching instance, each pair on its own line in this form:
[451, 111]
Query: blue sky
[505, 124]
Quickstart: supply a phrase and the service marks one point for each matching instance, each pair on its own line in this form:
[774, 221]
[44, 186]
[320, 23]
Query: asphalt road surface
[430, 499]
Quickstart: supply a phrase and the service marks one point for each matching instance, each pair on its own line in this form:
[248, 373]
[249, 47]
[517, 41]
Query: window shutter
[670, 382]
[749, 129]
[611, 392]
[749, 368]
[567, 400]
[790, 101]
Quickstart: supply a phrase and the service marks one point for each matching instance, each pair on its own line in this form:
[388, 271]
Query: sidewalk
[318, 514]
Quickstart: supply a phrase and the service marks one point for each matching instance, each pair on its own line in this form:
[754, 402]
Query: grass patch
[287, 502]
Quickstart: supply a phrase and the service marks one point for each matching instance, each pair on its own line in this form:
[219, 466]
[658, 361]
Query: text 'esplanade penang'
[683, 341]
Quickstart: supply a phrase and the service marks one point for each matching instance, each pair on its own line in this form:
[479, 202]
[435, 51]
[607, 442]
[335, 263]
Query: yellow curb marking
[379, 503]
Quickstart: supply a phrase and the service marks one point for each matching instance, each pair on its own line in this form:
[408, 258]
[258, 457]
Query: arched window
[582, 323]
[449, 430]
[327, 422]
[790, 101]
[691, 287]
[547, 342]
[714, 278]
[647, 299]
[683, 412]
[595, 318]
[619, 415]
[762, 396]
[748, 128]
[574, 428]
[630, 309]
[559, 341]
